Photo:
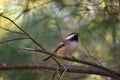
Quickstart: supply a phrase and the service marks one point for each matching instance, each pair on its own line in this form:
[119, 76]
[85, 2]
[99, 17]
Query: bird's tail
[46, 58]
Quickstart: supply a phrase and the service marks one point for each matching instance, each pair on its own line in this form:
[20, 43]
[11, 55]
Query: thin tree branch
[11, 30]
[50, 66]
[23, 31]
[89, 53]
[10, 40]
[117, 74]
[53, 76]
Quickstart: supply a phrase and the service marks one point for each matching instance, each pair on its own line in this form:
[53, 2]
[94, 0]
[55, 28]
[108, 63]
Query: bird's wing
[59, 46]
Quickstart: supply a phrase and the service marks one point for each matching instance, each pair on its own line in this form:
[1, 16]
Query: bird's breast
[73, 46]
[69, 48]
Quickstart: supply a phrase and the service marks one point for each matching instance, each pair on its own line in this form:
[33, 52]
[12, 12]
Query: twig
[11, 30]
[12, 40]
[53, 75]
[63, 73]
[23, 32]
[56, 61]
[89, 53]
[57, 71]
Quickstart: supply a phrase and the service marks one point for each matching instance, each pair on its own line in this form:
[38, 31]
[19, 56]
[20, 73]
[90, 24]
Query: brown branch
[10, 40]
[23, 31]
[117, 74]
[11, 30]
[53, 76]
[50, 66]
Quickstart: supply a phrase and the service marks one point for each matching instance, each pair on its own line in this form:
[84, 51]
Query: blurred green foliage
[48, 21]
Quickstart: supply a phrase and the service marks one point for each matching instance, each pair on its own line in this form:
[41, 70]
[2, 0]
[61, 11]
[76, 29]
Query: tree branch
[11, 30]
[23, 31]
[117, 74]
[10, 40]
[50, 66]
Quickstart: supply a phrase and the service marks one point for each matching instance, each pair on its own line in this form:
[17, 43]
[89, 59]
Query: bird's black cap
[72, 37]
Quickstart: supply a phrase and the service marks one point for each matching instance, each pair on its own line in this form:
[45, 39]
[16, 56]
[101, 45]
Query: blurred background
[48, 21]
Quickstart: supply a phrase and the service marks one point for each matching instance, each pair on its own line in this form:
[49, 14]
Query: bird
[67, 46]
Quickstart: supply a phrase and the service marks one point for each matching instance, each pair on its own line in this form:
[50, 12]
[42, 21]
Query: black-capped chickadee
[67, 46]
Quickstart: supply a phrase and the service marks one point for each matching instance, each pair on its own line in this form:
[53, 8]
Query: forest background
[48, 21]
